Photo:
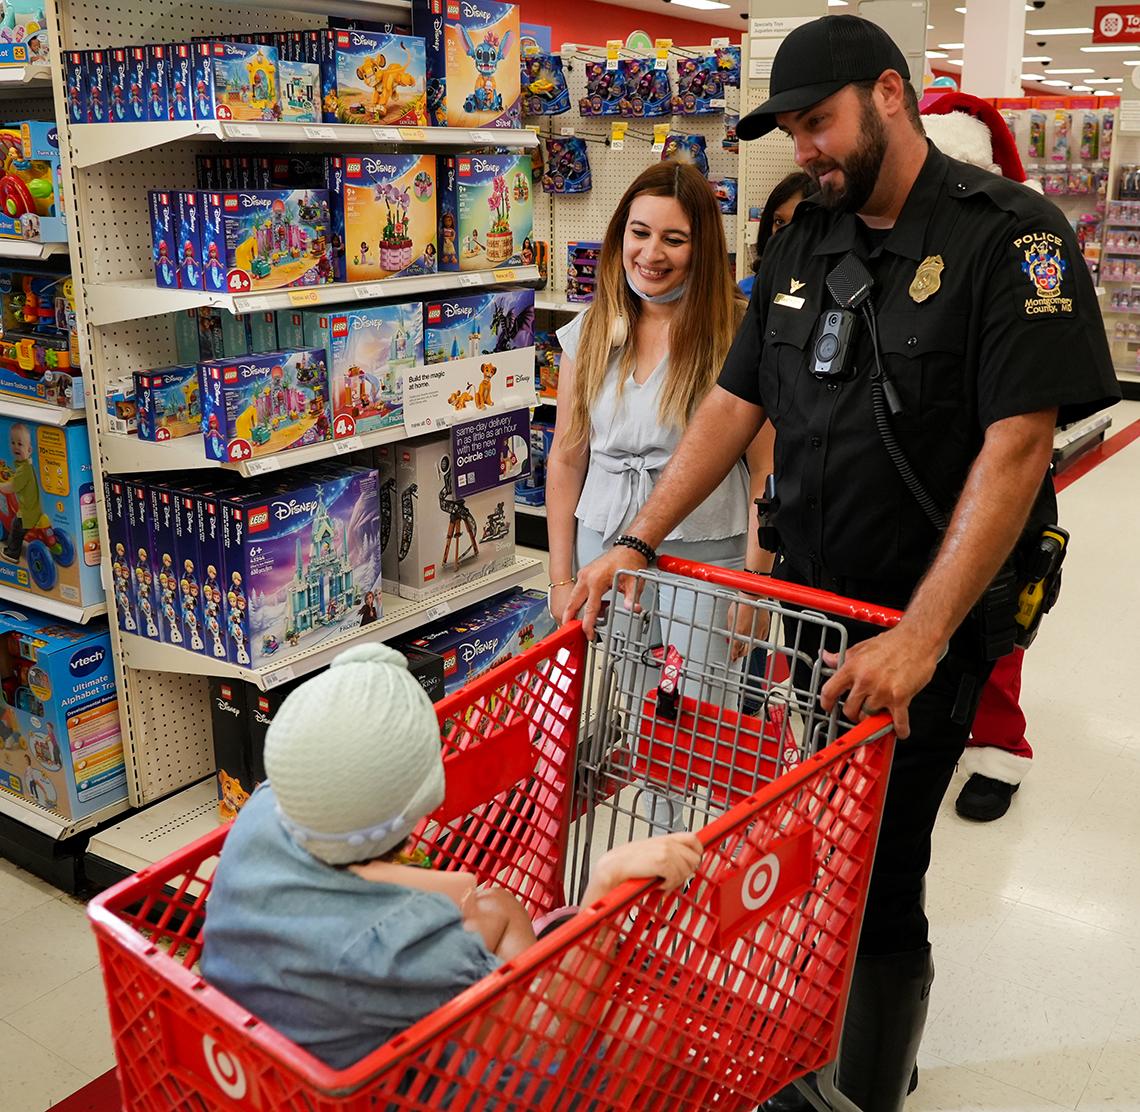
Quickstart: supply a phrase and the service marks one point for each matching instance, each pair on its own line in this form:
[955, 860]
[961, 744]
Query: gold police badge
[927, 278]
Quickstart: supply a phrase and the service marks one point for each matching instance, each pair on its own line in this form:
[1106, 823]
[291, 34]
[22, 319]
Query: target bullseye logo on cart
[760, 882]
[225, 1069]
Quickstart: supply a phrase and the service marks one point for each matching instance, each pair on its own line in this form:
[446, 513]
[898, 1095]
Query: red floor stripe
[100, 1095]
[1105, 450]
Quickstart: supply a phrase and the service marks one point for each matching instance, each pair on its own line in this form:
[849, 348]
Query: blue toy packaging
[46, 512]
[700, 87]
[75, 86]
[269, 239]
[300, 92]
[646, 91]
[181, 81]
[725, 190]
[60, 740]
[473, 66]
[488, 202]
[164, 237]
[167, 402]
[302, 565]
[115, 498]
[183, 586]
[158, 82]
[728, 65]
[221, 334]
[235, 81]
[118, 83]
[567, 166]
[138, 86]
[139, 560]
[370, 351]
[531, 491]
[263, 332]
[30, 183]
[605, 90]
[481, 637]
[97, 78]
[190, 240]
[388, 204]
[686, 148]
[265, 404]
[378, 79]
[163, 563]
[544, 89]
[478, 324]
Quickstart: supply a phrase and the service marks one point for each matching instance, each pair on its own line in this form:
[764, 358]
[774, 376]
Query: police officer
[910, 463]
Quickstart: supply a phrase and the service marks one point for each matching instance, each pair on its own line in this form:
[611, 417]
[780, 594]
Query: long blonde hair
[703, 325]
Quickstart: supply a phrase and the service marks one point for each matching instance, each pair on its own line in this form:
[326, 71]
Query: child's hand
[672, 857]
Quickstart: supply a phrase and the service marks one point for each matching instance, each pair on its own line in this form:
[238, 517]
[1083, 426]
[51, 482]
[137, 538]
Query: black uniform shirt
[1013, 327]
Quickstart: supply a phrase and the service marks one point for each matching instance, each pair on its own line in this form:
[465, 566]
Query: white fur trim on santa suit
[997, 764]
[967, 139]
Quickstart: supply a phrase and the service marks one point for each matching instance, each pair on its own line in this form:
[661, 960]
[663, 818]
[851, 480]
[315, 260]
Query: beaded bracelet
[561, 583]
[638, 545]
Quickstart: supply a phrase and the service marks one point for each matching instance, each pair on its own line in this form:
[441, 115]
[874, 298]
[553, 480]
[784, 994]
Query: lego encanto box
[269, 238]
[487, 201]
[389, 212]
[473, 70]
[370, 352]
[50, 546]
[262, 404]
[380, 79]
[235, 81]
[60, 740]
[299, 564]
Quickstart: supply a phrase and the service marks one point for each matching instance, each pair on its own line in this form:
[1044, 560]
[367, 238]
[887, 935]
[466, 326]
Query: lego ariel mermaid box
[473, 68]
[261, 404]
[380, 79]
[486, 212]
[388, 207]
[299, 565]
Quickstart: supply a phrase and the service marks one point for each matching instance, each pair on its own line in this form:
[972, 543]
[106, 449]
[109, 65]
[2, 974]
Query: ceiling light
[960, 11]
[1032, 77]
[1104, 80]
[951, 46]
[837, 3]
[1131, 62]
[1105, 93]
[1041, 32]
[940, 54]
[953, 61]
[1082, 89]
[701, 5]
[1038, 58]
[1107, 49]
[1058, 84]
[1055, 71]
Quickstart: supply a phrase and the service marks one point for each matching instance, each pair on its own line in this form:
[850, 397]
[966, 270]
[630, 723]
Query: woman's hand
[672, 857]
[558, 599]
[749, 624]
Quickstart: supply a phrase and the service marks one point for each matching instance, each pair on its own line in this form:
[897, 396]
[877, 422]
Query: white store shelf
[400, 616]
[27, 250]
[29, 601]
[530, 511]
[1097, 423]
[158, 831]
[24, 409]
[557, 303]
[51, 823]
[136, 298]
[97, 143]
[15, 80]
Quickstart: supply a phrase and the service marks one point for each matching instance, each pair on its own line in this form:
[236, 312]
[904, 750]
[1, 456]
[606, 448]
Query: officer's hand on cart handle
[674, 858]
[881, 674]
[596, 579]
[750, 625]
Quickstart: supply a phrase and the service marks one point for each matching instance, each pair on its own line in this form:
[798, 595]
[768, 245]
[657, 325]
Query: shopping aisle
[1036, 917]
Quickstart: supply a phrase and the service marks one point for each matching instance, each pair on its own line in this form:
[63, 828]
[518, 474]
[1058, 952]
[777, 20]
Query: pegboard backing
[170, 720]
[584, 216]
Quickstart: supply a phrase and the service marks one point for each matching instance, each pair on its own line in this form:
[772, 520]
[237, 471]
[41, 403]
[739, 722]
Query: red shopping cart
[713, 996]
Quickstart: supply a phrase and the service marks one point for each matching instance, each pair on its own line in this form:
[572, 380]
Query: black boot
[14, 545]
[886, 1012]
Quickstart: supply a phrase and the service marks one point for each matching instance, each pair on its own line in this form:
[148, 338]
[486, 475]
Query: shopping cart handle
[807, 597]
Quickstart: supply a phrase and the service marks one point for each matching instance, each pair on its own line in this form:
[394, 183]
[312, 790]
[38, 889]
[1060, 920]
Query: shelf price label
[471, 279]
[662, 47]
[613, 46]
[263, 465]
[617, 136]
[320, 133]
[351, 444]
[660, 134]
[413, 134]
[485, 137]
[278, 676]
[566, 131]
[437, 611]
[505, 275]
[304, 297]
[386, 134]
[243, 131]
[363, 293]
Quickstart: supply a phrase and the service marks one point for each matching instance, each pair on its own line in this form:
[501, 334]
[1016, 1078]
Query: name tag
[788, 300]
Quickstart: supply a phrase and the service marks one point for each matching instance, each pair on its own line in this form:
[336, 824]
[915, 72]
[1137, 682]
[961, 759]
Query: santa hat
[972, 130]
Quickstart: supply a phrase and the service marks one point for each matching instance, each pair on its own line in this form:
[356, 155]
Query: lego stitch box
[389, 212]
[473, 69]
[299, 564]
[380, 79]
[60, 740]
[487, 200]
[270, 238]
[370, 351]
[47, 502]
[265, 403]
[235, 81]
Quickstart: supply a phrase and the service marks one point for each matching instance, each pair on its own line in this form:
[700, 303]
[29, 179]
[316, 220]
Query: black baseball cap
[818, 59]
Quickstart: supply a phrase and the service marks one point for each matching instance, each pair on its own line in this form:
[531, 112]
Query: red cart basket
[713, 996]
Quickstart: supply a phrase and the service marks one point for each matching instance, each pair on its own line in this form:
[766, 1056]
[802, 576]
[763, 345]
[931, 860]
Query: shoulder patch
[1043, 286]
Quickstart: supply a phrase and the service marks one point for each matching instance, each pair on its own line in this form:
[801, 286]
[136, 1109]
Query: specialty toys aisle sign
[1118, 23]
[490, 451]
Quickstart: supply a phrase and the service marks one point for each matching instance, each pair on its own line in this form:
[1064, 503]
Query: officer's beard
[860, 170]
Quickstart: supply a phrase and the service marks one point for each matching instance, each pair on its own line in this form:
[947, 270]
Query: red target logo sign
[225, 1069]
[757, 891]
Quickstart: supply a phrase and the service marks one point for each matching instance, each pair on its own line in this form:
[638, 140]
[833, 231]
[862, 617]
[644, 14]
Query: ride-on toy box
[487, 200]
[46, 496]
[235, 81]
[445, 540]
[30, 186]
[474, 75]
[60, 742]
[380, 79]
[263, 404]
[299, 564]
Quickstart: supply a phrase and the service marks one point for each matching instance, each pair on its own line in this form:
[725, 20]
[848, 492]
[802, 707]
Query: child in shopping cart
[319, 924]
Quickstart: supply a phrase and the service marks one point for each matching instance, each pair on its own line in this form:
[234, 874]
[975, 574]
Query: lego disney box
[301, 565]
[486, 200]
[60, 740]
[387, 205]
[380, 79]
[235, 81]
[445, 540]
[50, 547]
[473, 68]
[262, 404]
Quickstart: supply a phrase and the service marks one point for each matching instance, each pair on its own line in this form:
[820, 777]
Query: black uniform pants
[941, 715]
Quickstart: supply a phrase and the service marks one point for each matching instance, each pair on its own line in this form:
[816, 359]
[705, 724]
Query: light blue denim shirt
[337, 963]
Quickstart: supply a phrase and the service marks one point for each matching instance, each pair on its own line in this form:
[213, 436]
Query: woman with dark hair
[777, 213]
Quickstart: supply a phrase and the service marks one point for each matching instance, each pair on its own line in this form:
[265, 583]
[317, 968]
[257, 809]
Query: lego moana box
[486, 212]
[300, 565]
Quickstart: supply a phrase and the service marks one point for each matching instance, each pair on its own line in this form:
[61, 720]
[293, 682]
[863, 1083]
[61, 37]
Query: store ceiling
[948, 26]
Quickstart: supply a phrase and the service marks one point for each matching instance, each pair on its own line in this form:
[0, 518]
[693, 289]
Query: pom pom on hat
[353, 757]
[1003, 157]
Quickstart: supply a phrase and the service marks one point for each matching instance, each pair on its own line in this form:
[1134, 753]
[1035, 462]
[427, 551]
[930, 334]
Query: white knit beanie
[353, 757]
